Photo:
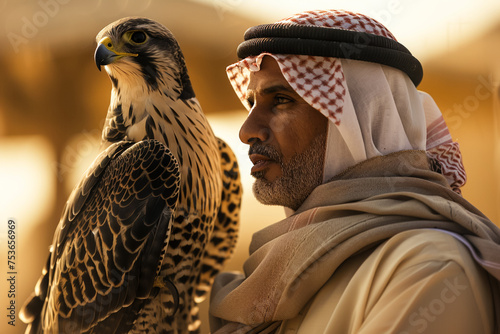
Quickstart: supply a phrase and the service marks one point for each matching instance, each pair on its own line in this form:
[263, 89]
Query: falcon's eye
[137, 37]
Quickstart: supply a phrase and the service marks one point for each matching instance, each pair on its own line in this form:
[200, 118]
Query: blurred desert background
[53, 100]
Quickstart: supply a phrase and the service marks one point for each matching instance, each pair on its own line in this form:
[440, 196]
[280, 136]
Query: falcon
[155, 217]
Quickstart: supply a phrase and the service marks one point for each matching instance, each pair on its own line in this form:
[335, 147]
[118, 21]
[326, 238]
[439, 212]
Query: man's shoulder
[420, 246]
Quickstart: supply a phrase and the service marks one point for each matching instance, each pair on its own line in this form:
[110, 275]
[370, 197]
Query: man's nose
[255, 127]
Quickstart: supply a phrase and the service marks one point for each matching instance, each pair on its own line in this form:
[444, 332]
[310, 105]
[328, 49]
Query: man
[378, 239]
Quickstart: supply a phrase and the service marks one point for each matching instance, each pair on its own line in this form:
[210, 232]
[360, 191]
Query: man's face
[286, 136]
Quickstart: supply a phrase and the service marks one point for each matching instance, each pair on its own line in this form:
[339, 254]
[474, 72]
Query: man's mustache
[265, 150]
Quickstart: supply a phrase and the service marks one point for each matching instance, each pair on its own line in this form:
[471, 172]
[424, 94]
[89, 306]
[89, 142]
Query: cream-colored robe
[419, 281]
[363, 255]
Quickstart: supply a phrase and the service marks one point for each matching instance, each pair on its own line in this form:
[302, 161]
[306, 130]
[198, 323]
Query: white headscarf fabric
[372, 109]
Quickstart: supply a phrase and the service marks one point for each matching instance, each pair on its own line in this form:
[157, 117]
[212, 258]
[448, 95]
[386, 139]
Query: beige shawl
[360, 208]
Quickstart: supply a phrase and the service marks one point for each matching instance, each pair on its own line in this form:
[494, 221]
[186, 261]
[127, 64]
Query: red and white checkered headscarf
[373, 109]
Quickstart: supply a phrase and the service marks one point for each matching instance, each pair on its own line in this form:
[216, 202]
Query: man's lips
[260, 162]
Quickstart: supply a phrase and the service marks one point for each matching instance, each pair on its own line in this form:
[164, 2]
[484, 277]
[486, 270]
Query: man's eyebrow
[277, 88]
[273, 89]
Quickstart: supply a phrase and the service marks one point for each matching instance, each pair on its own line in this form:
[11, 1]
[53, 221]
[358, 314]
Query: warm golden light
[27, 179]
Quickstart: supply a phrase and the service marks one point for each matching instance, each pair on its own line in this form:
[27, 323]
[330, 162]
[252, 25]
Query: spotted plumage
[155, 217]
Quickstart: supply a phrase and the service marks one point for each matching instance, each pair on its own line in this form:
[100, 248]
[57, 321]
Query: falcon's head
[141, 54]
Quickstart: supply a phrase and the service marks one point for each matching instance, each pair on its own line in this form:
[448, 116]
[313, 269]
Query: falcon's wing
[108, 244]
[225, 234]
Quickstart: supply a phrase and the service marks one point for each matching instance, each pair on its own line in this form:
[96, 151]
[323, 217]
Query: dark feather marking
[150, 125]
[186, 140]
[179, 151]
[198, 129]
[196, 251]
[191, 121]
[149, 69]
[165, 117]
[181, 125]
[202, 237]
[177, 259]
[165, 138]
[196, 189]
[189, 179]
[174, 243]
[174, 112]
[151, 122]
[157, 111]
[184, 279]
[114, 81]
[186, 102]
[204, 187]
[231, 207]
[184, 191]
[131, 112]
[191, 132]
[202, 140]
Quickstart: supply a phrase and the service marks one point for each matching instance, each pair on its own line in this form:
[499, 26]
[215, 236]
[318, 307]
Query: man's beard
[300, 175]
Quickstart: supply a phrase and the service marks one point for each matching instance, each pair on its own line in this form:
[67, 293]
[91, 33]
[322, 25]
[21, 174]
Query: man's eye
[281, 100]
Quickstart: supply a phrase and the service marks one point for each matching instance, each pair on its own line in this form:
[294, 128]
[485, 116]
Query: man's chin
[271, 192]
[264, 191]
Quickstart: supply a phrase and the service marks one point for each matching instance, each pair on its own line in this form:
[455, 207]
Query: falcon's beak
[106, 54]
